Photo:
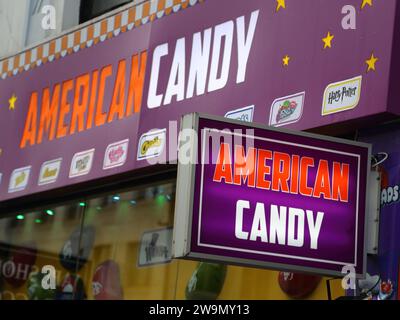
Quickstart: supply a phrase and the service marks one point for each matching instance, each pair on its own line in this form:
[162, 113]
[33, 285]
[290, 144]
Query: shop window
[118, 247]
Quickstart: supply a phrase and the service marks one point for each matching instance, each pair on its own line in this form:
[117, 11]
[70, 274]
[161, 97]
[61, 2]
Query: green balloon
[35, 289]
[206, 282]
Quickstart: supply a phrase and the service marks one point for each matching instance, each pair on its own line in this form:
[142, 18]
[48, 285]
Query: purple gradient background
[337, 235]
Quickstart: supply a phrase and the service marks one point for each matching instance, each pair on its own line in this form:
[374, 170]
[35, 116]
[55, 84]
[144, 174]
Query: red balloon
[297, 285]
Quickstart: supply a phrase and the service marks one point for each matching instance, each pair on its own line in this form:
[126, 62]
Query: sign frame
[183, 219]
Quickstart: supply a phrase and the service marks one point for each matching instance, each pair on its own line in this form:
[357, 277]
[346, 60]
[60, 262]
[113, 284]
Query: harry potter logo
[340, 95]
[116, 154]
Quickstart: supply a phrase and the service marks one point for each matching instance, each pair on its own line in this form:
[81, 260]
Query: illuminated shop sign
[130, 87]
[266, 197]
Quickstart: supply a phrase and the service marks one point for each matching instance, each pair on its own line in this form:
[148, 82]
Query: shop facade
[90, 123]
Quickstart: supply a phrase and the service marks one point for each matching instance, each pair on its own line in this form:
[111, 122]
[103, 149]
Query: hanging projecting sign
[265, 197]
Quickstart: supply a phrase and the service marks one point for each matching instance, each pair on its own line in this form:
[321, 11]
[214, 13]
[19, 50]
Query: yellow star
[365, 2]
[12, 102]
[286, 60]
[280, 4]
[371, 62]
[328, 40]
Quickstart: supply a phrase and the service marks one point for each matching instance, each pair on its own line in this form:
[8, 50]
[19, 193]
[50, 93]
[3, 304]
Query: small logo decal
[342, 96]
[81, 163]
[49, 171]
[19, 179]
[244, 114]
[287, 110]
[116, 154]
[151, 144]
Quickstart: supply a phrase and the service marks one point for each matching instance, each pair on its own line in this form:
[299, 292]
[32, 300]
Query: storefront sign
[225, 61]
[272, 198]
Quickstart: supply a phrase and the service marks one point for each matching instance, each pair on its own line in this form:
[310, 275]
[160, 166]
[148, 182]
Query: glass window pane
[131, 258]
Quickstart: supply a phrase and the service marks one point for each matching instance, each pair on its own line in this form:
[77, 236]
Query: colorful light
[82, 204]
[116, 198]
[20, 217]
[38, 221]
[160, 199]
[50, 212]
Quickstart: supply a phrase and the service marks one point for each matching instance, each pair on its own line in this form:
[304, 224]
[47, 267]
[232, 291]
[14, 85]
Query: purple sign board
[265, 197]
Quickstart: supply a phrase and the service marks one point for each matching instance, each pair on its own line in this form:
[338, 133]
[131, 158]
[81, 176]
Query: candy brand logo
[81, 163]
[339, 96]
[151, 144]
[156, 142]
[243, 114]
[287, 110]
[390, 195]
[49, 172]
[19, 179]
[116, 154]
[342, 96]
